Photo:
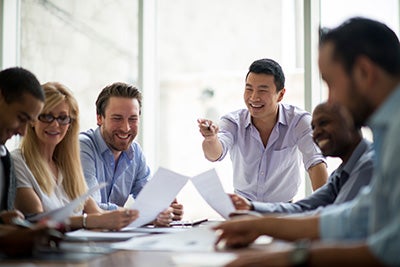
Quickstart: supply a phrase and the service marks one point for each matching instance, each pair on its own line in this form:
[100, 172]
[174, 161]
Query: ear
[99, 120]
[364, 72]
[281, 93]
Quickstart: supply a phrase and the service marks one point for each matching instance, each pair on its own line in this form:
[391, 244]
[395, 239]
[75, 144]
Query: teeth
[322, 143]
[256, 106]
[122, 136]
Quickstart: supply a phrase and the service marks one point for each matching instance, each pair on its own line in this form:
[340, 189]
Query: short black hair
[117, 89]
[362, 36]
[16, 81]
[270, 67]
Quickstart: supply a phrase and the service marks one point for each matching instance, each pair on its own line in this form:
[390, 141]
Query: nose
[316, 132]
[54, 121]
[254, 95]
[332, 95]
[125, 126]
[21, 130]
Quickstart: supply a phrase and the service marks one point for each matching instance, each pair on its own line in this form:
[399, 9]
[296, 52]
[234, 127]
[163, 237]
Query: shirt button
[262, 173]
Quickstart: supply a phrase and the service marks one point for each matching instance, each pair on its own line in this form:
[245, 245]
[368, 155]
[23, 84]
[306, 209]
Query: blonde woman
[48, 168]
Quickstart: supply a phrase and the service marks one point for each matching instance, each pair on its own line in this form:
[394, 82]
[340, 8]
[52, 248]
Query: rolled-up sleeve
[311, 153]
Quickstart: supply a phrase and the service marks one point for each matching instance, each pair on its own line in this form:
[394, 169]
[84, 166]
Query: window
[205, 49]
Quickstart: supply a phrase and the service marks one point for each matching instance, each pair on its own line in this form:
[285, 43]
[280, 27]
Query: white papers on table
[155, 230]
[194, 239]
[210, 259]
[60, 215]
[210, 188]
[157, 195]
[88, 235]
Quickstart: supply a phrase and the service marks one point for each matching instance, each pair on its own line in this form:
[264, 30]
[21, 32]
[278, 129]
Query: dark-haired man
[21, 100]
[337, 136]
[267, 141]
[110, 153]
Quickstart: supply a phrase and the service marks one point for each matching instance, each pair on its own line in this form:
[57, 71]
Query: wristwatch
[300, 255]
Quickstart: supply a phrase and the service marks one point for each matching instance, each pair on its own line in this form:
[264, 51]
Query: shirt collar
[362, 146]
[281, 116]
[103, 147]
[380, 117]
[3, 150]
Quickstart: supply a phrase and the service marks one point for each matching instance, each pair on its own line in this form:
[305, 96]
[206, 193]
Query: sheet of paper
[155, 230]
[60, 215]
[194, 239]
[210, 188]
[208, 259]
[157, 195]
[88, 235]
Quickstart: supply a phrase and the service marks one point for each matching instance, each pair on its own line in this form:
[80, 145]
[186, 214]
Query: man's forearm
[289, 228]
[212, 149]
[318, 175]
[342, 255]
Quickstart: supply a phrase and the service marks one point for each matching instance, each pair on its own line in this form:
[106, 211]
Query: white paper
[210, 188]
[194, 239]
[155, 230]
[209, 259]
[157, 195]
[88, 235]
[61, 214]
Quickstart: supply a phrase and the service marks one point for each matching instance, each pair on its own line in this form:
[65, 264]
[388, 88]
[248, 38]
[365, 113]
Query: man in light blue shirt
[336, 135]
[267, 142]
[110, 154]
[360, 61]
[127, 177]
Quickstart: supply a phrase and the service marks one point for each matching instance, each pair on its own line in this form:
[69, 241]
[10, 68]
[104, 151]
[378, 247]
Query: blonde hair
[66, 154]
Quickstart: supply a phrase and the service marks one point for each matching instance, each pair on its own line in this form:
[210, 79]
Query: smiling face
[17, 115]
[261, 97]
[119, 126]
[52, 133]
[333, 130]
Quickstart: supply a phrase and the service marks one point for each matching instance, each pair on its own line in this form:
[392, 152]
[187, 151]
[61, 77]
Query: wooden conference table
[98, 254]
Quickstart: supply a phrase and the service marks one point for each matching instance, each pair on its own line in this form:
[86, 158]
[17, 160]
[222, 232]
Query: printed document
[62, 214]
[161, 190]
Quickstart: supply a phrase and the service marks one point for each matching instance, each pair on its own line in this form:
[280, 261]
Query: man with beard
[360, 62]
[110, 154]
[336, 135]
[268, 141]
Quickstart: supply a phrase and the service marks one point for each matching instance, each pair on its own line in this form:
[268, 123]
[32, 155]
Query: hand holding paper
[157, 195]
[60, 215]
[161, 190]
[210, 188]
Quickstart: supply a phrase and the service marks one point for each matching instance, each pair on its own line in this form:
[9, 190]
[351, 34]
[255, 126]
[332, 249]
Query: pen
[206, 124]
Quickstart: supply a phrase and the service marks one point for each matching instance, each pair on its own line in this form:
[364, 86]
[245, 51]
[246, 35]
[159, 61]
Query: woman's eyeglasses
[62, 119]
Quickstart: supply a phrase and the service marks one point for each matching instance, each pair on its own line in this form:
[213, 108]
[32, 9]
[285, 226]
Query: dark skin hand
[16, 241]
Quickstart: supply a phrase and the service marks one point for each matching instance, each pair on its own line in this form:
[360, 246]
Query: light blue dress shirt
[355, 173]
[374, 215]
[271, 173]
[128, 177]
